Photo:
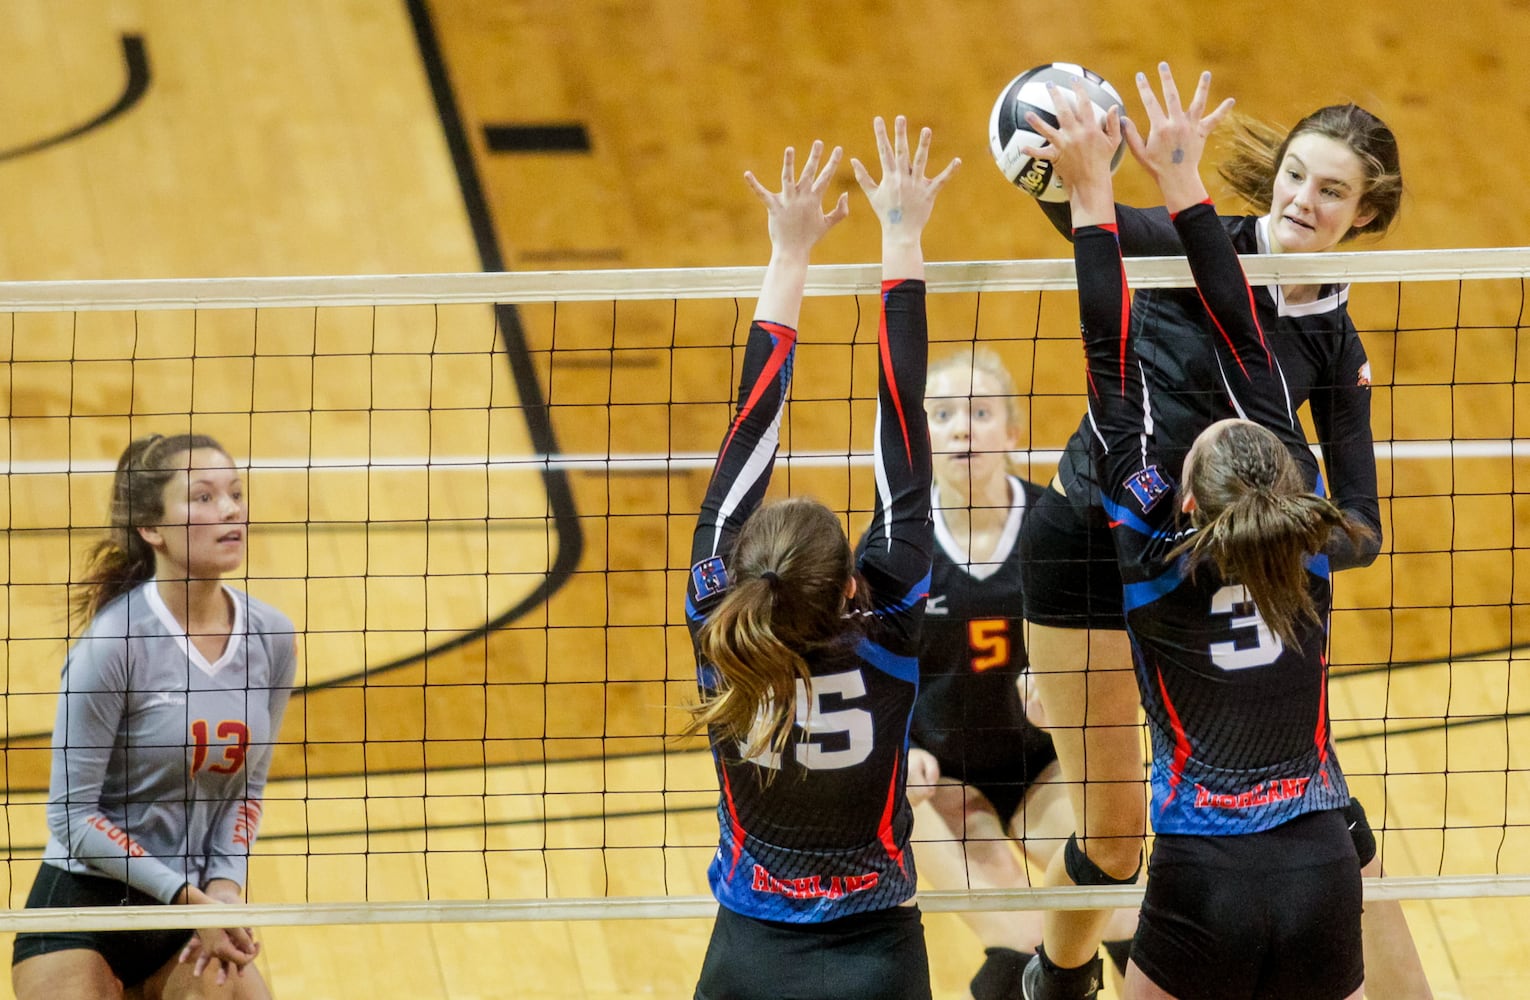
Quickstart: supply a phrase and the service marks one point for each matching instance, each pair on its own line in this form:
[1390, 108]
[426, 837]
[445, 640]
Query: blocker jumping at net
[1333, 177]
[806, 656]
[1253, 890]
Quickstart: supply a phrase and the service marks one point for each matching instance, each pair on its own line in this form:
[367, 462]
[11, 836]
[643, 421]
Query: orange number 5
[989, 639]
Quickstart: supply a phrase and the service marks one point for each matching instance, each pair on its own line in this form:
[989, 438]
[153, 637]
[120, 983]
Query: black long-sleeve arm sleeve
[747, 455]
[1341, 415]
[900, 540]
[1251, 373]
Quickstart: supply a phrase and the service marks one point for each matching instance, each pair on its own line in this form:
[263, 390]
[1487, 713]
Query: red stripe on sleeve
[784, 338]
[885, 350]
[1175, 215]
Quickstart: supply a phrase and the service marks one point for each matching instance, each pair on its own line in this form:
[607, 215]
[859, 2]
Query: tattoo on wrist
[1179, 155]
[895, 215]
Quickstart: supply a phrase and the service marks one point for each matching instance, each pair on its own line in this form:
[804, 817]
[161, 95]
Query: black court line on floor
[135, 59]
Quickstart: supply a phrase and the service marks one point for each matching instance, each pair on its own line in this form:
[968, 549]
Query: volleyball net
[474, 496]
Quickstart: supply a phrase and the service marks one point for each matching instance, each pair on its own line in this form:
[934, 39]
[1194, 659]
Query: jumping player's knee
[1083, 871]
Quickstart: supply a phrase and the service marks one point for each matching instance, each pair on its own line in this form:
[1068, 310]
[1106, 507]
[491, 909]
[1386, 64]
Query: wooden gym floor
[171, 139]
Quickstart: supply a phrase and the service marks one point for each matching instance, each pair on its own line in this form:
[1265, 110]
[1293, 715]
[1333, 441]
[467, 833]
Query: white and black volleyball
[1009, 132]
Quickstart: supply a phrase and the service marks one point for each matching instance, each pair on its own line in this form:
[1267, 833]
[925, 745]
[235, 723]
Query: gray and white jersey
[160, 757]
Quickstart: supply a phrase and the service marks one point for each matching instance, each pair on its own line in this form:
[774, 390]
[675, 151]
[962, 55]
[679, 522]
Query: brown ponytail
[790, 567]
[123, 559]
[1258, 523]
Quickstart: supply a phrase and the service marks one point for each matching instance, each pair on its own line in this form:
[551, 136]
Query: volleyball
[1009, 132]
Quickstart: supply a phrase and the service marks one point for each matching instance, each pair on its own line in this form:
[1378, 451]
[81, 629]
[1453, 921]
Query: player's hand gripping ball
[1009, 133]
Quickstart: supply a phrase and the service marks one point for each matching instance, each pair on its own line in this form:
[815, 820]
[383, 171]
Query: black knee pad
[1360, 831]
[1085, 872]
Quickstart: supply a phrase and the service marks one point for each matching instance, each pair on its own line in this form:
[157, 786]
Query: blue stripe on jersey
[916, 593]
[904, 668]
[1135, 595]
[1318, 565]
[1120, 515]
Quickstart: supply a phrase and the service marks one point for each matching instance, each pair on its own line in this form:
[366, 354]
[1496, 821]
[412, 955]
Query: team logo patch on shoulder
[1364, 377]
[1148, 486]
[708, 577]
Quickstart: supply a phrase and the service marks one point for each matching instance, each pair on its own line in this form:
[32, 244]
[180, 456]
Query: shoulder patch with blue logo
[1148, 486]
[709, 577]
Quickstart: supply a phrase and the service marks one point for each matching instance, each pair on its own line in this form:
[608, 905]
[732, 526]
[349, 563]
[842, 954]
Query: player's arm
[91, 705]
[1341, 414]
[1250, 371]
[747, 455]
[1171, 154]
[1081, 149]
[900, 542]
[238, 819]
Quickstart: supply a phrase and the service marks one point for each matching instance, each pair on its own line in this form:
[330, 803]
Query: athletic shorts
[878, 955]
[1262, 916]
[134, 956]
[1005, 784]
[1068, 566]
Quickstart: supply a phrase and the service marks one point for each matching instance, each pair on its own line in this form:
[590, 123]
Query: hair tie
[770, 577]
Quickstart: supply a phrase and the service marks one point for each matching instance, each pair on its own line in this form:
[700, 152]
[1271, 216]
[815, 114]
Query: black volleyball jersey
[1239, 721]
[1321, 356]
[969, 714]
[821, 830]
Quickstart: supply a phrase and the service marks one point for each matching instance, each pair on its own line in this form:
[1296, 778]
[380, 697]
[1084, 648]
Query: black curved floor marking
[560, 498]
[136, 59]
[570, 538]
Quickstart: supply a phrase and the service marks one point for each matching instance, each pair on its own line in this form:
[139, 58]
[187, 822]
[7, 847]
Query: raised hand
[904, 197]
[1080, 149]
[796, 218]
[1176, 137]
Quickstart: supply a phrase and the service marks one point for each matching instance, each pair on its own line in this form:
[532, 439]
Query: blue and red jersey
[1239, 719]
[821, 830]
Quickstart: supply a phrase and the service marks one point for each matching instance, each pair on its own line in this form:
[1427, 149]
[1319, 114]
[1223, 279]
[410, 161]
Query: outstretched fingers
[939, 180]
[884, 145]
[1197, 110]
[1210, 122]
[922, 154]
[1171, 102]
[794, 214]
[823, 176]
[900, 143]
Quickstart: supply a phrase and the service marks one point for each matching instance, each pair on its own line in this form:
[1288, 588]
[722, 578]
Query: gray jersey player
[170, 704]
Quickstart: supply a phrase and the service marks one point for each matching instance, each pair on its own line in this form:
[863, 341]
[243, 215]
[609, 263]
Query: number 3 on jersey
[849, 731]
[1251, 642]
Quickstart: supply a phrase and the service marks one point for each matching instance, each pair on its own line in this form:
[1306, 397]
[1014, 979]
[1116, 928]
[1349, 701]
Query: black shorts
[869, 956]
[1005, 784]
[134, 956]
[1254, 917]
[1068, 566]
